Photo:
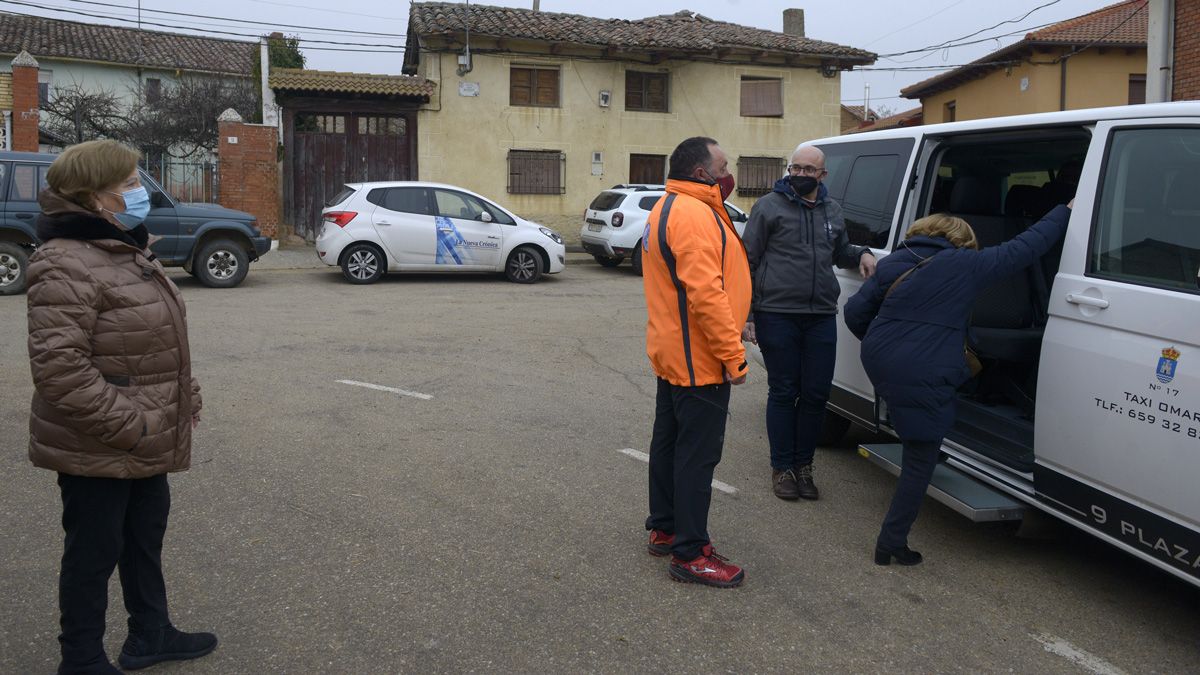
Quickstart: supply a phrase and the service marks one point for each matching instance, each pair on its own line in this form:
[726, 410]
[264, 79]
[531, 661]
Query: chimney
[793, 22]
[25, 103]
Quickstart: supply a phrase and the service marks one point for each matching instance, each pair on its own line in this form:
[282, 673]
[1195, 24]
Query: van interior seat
[1004, 324]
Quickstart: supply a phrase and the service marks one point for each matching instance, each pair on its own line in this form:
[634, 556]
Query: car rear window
[606, 201]
[341, 196]
[647, 203]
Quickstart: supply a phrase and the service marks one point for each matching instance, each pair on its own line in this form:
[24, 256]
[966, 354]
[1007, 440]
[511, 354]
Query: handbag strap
[904, 276]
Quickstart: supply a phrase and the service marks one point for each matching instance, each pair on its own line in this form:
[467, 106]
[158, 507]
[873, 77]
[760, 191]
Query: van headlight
[552, 234]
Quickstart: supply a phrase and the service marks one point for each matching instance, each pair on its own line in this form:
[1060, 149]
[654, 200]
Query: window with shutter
[1137, 89]
[646, 91]
[536, 172]
[533, 87]
[762, 97]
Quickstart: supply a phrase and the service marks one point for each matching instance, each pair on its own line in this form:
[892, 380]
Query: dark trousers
[916, 470]
[689, 430]
[798, 351]
[110, 522]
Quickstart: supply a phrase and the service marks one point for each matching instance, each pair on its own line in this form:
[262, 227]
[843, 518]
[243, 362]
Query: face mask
[137, 207]
[726, 183]
[803, 185]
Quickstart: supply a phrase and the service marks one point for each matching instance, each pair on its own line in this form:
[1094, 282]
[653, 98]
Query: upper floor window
[762, 97]
[45, 80]
[950, 111]
[533, 87]
[646, 91]
[153, 90]
[1137, 88]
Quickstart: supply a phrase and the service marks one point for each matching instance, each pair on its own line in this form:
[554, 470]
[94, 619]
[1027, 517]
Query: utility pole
[270, 111]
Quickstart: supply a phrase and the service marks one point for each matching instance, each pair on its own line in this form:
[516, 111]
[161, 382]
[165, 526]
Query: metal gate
[329, 150]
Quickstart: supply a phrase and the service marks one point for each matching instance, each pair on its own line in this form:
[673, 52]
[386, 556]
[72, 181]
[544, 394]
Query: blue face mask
[137, 207]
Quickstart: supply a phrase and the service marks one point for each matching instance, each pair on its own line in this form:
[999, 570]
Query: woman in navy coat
[912, 342]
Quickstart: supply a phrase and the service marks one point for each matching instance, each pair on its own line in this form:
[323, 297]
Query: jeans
[689, 430]
[916, 470]
[110, 522]
[798, 351]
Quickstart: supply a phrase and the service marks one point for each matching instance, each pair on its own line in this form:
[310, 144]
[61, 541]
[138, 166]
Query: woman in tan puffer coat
[114, 402]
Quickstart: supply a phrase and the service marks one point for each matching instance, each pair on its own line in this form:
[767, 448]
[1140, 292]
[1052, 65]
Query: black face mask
[803, 185]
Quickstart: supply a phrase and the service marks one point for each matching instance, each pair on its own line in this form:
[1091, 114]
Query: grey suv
[210, 242]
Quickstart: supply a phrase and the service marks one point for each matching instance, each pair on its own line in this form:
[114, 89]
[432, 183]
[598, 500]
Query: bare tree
[79, 114]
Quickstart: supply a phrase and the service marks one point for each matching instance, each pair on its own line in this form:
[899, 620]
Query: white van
[1088, 407]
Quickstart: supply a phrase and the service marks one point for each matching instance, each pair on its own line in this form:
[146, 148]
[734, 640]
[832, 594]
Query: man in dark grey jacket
[795, 236]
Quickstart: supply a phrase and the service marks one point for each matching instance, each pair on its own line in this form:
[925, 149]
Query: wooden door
[651, 169]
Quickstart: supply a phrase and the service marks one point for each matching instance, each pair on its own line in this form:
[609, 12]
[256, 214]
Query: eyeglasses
[806, 169]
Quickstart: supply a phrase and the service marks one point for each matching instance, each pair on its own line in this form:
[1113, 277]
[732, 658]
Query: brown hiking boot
[784, 484]
[805, 487]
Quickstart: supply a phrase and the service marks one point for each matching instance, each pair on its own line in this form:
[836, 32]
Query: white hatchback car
[614, 222]
[373, 228]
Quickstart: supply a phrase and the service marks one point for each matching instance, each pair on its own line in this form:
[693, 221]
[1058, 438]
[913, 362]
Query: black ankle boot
[903, 555]
[147, 648]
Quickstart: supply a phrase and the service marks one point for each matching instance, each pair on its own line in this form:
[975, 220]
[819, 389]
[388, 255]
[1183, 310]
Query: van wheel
[14, 260]
[524, 266]
[833, 429]
[636, 260]
[362, 264]
[222, 263]
[606, 261]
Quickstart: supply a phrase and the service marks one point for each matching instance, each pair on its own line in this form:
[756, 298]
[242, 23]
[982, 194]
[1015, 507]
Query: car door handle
[492, 236]
[382, 222]
[25, 216]
[1076, 299]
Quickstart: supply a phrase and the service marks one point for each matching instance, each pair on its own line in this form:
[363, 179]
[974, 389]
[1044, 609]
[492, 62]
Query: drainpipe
[7, 130]
[1062, 84]
[1160, 51]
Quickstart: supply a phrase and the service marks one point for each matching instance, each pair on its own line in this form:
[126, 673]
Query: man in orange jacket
[697, 284]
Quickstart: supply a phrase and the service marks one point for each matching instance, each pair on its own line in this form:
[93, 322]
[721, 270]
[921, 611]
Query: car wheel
[362, 264]
[833, 429]
[524, 266]
[14, 260]
[606, 261]
[221, 263]
[636, 260]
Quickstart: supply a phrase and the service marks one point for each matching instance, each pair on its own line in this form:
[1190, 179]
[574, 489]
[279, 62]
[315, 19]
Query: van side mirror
[486, 217]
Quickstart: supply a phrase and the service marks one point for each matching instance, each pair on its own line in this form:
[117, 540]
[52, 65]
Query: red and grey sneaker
[660, 543]
[708, 568]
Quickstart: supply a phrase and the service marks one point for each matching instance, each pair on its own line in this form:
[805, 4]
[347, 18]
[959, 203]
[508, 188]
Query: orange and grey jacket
[697, 284]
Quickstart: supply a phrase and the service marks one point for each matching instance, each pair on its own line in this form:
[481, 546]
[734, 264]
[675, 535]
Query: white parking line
[638, 454]
[380, 387]
[1089, 662]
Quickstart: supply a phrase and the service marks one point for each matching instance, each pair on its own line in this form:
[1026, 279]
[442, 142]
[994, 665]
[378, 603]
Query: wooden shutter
[757, 175]
[520, 91]
[547, 88]
[1137, 89]
[535, 172]
[650, 169]
[762, 98]
[634, 98]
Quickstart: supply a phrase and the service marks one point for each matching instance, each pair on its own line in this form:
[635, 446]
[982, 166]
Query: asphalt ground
[496, 526]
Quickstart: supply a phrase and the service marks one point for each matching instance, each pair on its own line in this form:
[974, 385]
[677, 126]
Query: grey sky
[884, 27]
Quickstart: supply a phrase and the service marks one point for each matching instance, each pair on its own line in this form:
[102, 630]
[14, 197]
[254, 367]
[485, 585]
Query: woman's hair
[85, 169]
[952, 229]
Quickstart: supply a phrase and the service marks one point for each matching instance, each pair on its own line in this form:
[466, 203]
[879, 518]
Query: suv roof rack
[638, 187]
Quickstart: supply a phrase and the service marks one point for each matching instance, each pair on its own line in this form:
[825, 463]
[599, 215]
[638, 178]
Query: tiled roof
[858, 111]
[683, 31]
[296, 79]
[52, 38]
[908, 118]
[1124, 24]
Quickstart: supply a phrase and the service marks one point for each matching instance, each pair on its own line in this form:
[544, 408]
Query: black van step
[964, 494]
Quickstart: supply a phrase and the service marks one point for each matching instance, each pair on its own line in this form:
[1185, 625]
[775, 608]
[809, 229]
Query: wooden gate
[328, 150]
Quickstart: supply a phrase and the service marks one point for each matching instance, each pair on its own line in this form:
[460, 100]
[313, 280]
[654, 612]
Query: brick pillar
[249, 170]
[1186, 85]
[25, 103]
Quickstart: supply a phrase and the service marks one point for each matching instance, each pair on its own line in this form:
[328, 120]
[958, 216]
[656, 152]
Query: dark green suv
[212, 243]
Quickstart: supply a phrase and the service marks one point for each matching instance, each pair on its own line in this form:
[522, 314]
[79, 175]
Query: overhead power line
[954, 42]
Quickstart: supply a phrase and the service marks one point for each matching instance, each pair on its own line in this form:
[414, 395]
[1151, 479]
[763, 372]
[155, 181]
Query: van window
[1147, 227]
[3, 179]
[866, 178]
[27, 181]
